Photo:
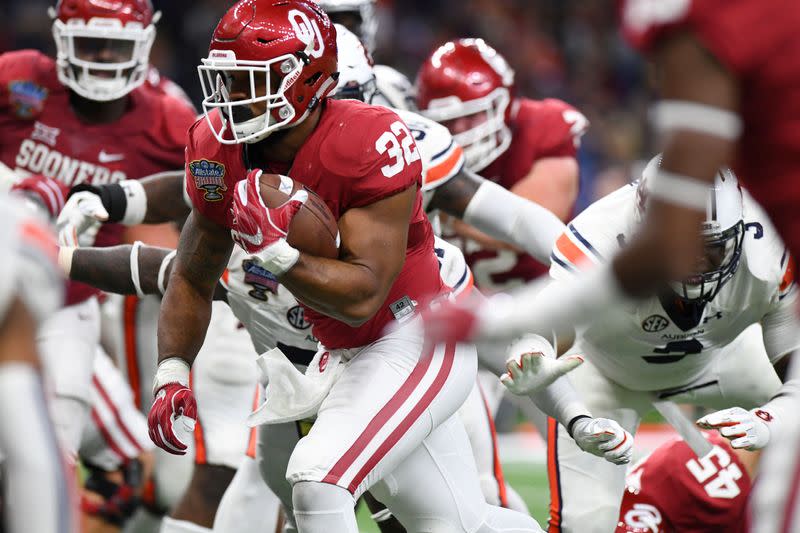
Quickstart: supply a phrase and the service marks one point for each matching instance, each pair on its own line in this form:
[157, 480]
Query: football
[314, 229]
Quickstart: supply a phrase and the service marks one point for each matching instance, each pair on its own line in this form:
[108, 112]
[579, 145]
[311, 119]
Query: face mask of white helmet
[722, 231]
[102, 59]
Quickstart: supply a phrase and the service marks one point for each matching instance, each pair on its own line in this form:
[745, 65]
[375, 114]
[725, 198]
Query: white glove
[745, 429]
[604, 438]
[81, 218]
[532, 365]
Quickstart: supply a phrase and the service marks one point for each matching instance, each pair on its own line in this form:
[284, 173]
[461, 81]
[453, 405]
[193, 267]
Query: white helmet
[356, 74]
[124, 30]
[365, 9]
[722, 231]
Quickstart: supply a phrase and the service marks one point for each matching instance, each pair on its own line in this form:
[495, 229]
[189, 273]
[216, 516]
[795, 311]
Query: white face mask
[238, 123]
[488, 139]
[102, 60]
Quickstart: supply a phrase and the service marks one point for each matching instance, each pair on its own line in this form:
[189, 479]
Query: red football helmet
[284, 51]
[468, 86]
[103, 46]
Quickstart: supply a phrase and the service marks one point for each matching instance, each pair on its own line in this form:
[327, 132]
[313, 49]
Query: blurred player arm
[372, 252]
[203, 253]
[499, 213]
[699, 124]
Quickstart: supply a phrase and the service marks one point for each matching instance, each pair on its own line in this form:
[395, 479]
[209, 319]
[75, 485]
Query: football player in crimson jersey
[384, 401]
[673, 491]
[87, 117]
[527, 146]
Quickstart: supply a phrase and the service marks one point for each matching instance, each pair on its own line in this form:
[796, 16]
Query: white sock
[172, 525]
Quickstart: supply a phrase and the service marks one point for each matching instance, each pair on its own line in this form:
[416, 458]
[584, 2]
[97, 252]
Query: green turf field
[529, 480]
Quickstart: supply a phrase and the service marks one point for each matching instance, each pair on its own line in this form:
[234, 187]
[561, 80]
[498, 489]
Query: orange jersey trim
[445, 168]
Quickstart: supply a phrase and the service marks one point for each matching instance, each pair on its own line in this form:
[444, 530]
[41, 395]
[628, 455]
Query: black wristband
[572, 423]
[112, 195]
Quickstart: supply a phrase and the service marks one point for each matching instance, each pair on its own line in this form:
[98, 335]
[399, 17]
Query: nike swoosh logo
[255, 240]
[105, 157]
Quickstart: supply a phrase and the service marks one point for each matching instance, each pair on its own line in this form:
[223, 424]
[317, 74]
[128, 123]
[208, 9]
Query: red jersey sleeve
[211, 173]
[20, 83]
[559, 127]
[376, 149]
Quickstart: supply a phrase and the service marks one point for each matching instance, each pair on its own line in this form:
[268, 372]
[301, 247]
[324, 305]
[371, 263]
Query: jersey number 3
[399, 144]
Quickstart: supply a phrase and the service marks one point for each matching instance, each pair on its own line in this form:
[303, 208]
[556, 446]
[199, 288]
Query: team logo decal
[323, 361]
[210, 177]
[654, 323]
[296, 318]
[44, 133]
[308, 32]
[261, 279]
[26, 98]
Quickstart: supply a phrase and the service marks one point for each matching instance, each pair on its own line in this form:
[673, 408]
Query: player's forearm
[520, 222]
[110, 269]
[165, 197]
[183, 320]
[350, 292]
[561, 401]
[552, 309]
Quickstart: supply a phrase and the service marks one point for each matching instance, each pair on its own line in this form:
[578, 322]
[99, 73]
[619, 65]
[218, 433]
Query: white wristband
[136, 207]
[671, 115]
[135, 269]
[65, 254]
[162, 270]
[680, 190]
[172, 370]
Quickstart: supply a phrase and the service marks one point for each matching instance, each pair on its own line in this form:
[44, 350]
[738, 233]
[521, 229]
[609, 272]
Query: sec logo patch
[654, 323]
[296, 318]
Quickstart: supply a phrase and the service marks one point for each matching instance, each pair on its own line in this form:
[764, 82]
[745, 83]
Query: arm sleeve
[520, 222]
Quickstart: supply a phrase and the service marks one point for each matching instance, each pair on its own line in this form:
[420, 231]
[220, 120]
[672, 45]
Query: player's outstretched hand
[172, 418]
[448, 322]
[532, 365]
[262, 230]
[750, 430]
[81, 218]
[604, 438]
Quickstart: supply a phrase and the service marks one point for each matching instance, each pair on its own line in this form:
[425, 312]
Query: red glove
[172, 418]
[449, 322]
[50, 192]
[256, 226]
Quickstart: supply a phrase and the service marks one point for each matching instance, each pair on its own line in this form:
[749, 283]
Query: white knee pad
[171, 525]
[322, 508]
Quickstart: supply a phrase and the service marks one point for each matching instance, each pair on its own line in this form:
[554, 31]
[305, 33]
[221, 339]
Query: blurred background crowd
[568, 49]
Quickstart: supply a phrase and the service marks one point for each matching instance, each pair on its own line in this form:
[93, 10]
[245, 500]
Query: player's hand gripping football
[532, 365]
[174, 412]
[751, 430]
[81, 218]
[604, 438]
[261, 230]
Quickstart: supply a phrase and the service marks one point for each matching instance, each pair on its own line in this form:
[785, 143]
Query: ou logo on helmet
[307, 31]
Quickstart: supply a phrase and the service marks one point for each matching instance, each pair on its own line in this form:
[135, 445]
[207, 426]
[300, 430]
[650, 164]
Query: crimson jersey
[357, 155]
[539, 129]
[766, 65]
[674, 491]
[40, 134]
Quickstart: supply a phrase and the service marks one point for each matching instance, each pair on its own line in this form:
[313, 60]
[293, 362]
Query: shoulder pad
[442, 157]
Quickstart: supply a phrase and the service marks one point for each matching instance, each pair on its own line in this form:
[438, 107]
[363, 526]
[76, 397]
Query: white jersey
[653, 349]
[269, 312]
[442, 157]
[394, 89]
